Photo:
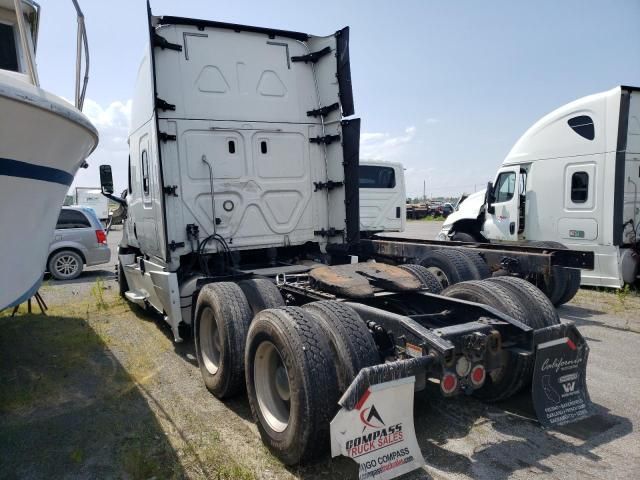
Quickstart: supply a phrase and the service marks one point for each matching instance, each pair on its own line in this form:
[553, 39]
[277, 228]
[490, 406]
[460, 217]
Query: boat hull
[43, 143]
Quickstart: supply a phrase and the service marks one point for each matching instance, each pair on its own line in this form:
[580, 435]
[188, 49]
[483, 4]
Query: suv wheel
[65, 265]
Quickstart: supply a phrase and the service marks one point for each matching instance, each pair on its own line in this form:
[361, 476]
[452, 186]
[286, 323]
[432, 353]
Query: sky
[446, 87]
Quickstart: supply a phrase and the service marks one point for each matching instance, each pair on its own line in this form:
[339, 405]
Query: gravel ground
[99, 390]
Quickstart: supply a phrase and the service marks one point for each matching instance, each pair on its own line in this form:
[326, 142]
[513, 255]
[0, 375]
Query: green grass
[62, 384]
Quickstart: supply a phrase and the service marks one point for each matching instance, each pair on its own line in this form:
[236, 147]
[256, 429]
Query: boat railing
[82, 45]
[82, 52]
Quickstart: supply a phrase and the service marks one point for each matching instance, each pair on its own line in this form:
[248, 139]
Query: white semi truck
[573, 178]
[383, 199]
[93, 198]
[242, 228]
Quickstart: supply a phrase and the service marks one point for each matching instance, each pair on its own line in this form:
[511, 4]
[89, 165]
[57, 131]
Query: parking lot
[97, 389]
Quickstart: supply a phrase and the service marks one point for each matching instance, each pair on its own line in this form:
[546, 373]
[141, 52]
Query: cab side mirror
[106, 179]
[490, 198]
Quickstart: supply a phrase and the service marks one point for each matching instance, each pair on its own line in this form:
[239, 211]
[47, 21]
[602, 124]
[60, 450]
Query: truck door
[502, 218]
[382, 197]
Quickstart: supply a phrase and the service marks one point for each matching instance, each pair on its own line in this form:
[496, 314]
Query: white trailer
[93, 198]
[573, 178]
[383, 200]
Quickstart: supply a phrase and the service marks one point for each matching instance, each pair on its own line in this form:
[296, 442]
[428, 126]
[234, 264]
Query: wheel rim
[66, 265]
[440, 276]
[272, 385]
[210, 341]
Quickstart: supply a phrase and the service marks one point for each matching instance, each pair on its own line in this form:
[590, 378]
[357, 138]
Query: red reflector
[448, 383]
[101, 237]
[570, 344]
[478, 375]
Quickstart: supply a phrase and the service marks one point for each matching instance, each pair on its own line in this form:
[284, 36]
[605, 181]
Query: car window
[72, 219]
[505, 186]
[376, 177]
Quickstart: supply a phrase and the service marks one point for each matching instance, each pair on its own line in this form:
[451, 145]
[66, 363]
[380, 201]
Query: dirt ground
[98, 389]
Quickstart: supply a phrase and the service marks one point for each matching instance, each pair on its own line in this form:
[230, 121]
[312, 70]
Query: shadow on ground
[69, 409]
[88, 276]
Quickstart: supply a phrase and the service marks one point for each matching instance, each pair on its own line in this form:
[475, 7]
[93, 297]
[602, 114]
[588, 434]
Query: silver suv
[78, 240]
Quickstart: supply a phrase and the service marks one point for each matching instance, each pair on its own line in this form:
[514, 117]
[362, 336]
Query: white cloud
[386, 146]
[112, 123]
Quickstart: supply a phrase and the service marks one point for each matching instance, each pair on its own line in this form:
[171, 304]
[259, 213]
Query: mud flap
[374, 427]
[379, 433]
[559, 385]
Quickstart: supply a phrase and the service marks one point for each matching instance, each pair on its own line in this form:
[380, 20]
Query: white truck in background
[93, 198]
[382, 196]
[572, 178]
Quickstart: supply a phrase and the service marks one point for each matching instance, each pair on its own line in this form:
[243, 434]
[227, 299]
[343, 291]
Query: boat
[44, 140]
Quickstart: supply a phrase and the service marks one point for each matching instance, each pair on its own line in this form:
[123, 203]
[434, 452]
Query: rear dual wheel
[299, 361]
[513, 298]
[454, 266]
[221, 323]
[562, 284]
[291, 383]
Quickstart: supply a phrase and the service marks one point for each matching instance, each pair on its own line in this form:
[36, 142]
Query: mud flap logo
[368, 415]
[379, 433]
[559, 382]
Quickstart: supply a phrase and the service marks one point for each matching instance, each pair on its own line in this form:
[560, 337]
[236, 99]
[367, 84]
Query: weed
[76, 455]
[97, 291]
[623, 294]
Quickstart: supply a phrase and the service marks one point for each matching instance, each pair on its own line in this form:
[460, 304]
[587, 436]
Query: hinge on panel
[165, 137]
[322, 111]
[332, 232]
[328, 185]
[312, 57]
[173, 246]
[163, 43]
[170, 190]
[164, 105]
[327, 139]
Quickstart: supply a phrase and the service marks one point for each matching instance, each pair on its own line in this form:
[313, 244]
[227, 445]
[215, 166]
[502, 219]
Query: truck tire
[573, 285]
[480, 267]
[221, 323]
[291, 383]
[518, 369]
[351, 342]
[557, 284]
[427, 279]
[531, 296]
[261, 294]
[464, 237]
[491, 294]
[449, 266]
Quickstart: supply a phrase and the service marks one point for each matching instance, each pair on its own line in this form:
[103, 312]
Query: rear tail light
[101, 237]
[478, 375]
[448, 383]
